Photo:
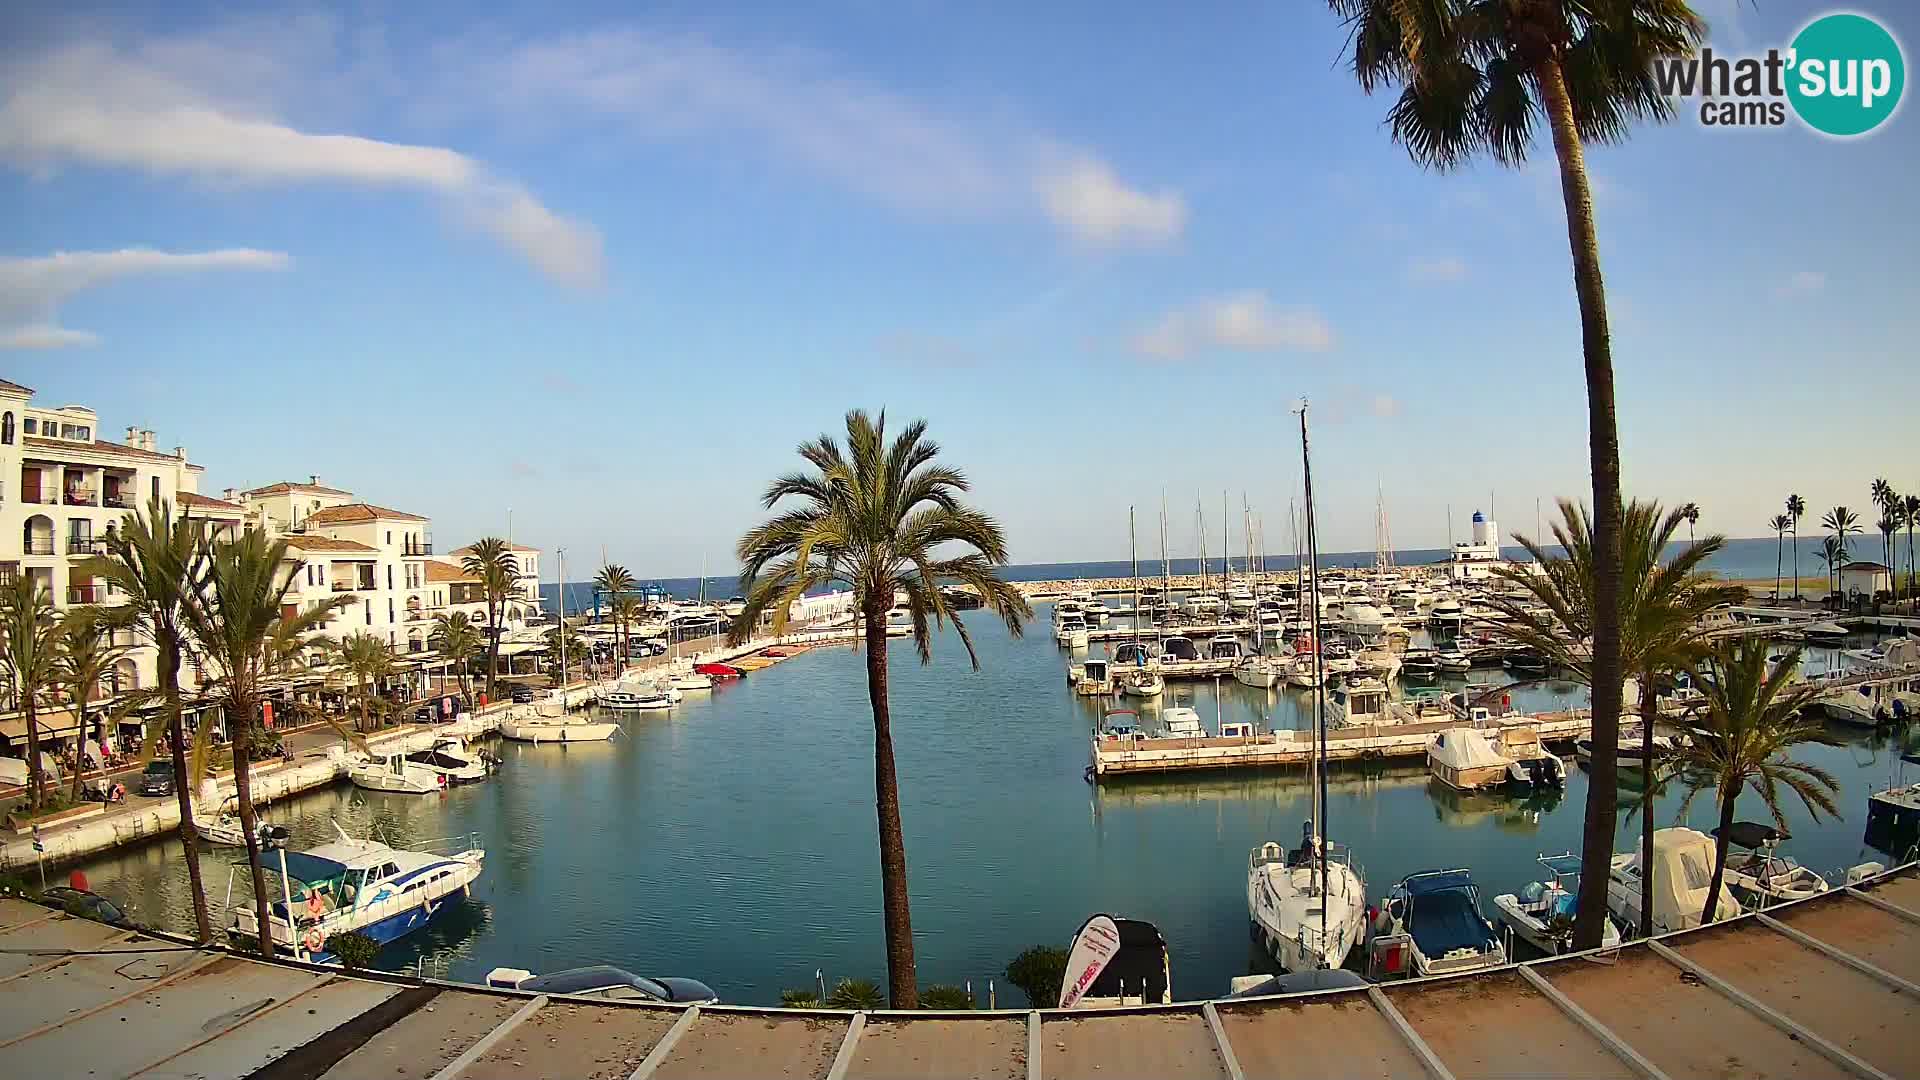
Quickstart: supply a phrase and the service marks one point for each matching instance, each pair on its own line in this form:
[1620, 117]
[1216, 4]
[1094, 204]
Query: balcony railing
[418, 547]
[119, 500]
[342, 586]
[85, 545]
[81, 497]
[40, 498]
[39, 545]
[86, 594]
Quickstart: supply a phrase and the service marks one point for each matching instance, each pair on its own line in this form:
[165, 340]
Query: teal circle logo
[1846, 75]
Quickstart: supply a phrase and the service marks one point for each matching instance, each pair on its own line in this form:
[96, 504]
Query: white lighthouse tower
[1474, 560]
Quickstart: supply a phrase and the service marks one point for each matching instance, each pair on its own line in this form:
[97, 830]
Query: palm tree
[490, 560]
[1779, 525]
[1887, 500]
[1660, 620]
[1691, 512]
[1830, 556]
[241, 619]
[158, 561]
[1753, 717]
[613, 582]
[367, 659]
[1911, 507]
[873, 515]
[1796, 509]
[1889, 527]
[86, 657]
[1476, 76]
[28, 658]
[564, 642]
[1841, 522]
[457, 639]
[626, 611]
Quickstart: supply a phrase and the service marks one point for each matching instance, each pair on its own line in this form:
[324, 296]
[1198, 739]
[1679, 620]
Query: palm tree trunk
[176, 735]
[1649, 710]
[1777, 541]
[902, 992]
[79, 751]
[1796, 560]
[1728, 797]
[1603, 437]
[241, 730]
[35, 780]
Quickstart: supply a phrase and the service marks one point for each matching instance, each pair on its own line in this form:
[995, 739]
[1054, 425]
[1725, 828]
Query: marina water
[734, 840]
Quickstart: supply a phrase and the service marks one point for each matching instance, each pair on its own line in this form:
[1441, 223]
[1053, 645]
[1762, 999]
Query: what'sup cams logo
[1842, 76]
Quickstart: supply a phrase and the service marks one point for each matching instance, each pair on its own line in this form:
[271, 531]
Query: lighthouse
[1486, 531]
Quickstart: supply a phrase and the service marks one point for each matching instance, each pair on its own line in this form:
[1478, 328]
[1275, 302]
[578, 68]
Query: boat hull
[384, 920]
[559, 733]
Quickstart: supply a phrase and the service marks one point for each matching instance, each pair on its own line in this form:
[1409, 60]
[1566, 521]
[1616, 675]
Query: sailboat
[1308, 905]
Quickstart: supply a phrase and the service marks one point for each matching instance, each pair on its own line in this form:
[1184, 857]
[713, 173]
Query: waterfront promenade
[1825, 987]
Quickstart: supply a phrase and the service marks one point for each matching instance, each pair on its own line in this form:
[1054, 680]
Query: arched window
[6, 429]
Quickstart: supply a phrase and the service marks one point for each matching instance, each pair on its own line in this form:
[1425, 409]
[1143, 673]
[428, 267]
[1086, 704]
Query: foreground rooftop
[1825, 987]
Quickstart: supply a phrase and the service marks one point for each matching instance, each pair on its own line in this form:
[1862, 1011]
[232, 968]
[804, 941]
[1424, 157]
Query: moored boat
[546, 729]
[396, 775]
[1439, 911]
[1541, 914]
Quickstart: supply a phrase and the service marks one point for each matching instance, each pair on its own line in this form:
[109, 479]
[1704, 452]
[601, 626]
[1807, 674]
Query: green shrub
[800, 999]
[353, 949]
[1038, 973]
[946, 997]
[862, 994]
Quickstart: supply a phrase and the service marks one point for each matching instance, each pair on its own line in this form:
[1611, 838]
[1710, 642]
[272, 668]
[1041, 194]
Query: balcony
[38, 497]
[39, 545]
[418, 547]
[342, 586]
[119, 500]
[81, 497]
[85, 545]
[86, 594]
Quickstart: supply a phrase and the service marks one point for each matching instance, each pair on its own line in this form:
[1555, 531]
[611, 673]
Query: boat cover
[1442, 920]
[1140, 965]
[1752, 834]
[1466, 748]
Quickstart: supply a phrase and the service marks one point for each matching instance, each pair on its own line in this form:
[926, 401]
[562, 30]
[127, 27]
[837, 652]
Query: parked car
[523, 695]
[157, 779]
[87, 905]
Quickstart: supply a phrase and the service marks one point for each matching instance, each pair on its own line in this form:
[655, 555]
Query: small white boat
[1759, 876]
[1466, 759]
[1684, 858]
[1261, 672]
[1225, 648]
[1142, 684]
[397, 775]
[546, 729]
[1542, 913]
[1532, 766]
[1092, 679]
[225, 830]
[1451, 661]
[451, 758]
[1825, 633]
[1439, 911]
[1285, 890]
[1182, 723]
[690, 680]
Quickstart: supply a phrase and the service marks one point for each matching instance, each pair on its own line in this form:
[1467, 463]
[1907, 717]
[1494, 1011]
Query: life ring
[315, 940]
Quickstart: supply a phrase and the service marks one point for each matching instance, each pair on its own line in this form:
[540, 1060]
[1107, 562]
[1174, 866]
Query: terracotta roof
[199, 501]
[324, 543]
[357, 514]
[468, 550]
[100, 446]
[439, 572]
[14, 386]
[283, 487]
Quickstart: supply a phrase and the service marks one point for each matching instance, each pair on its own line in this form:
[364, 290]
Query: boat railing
[448, 846]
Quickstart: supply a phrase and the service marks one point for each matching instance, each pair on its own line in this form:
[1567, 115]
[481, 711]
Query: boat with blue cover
[1440, 911]
[363, 886]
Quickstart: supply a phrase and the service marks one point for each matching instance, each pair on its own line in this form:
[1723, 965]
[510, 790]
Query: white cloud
[1800, 283]
[1436, 268]
[99, 105]
[1089, 201]
[1243, 321]
[33, 288]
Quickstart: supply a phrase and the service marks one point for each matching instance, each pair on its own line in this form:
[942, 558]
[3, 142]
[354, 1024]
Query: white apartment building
[453, 590]
[63, 488]
[373, 555]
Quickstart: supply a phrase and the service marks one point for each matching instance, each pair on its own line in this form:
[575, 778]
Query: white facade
[452, 590]
[1475, 560]
[1865, 579]
[62, 488]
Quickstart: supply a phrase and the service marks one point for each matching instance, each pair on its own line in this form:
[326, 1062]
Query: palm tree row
[1841, 523]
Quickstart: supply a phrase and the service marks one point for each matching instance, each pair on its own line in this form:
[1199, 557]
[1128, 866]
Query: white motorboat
[1361, 701]
[1095, 678]
[1542, 913]
[1759, 876]
[1419, 665]
[1364, 621]
[690, 680]
[1182, 723]
[547, 729]
[1439, 912]
[397, 775]
[1532, 767]
[1096, 612]
[1261, 672]
[451, 758]
[1178, 649]
[359, 885]
[1825, 633]
[1071, 632]
[1142, 684]
[1446, 615]
[1451, 661]
[635, 701]
[1466, 759]
[225, 830]
[1114, 962]
[1225, 648]
[1684, 861]
[1285, 890]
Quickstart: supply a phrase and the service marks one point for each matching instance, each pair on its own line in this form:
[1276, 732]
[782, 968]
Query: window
[31, 424]
[322, 567]
[389, 537]
[6, 429]
[85, 434]
[389, 572]
[389, 609]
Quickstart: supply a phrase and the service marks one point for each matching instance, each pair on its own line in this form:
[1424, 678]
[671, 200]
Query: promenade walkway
[1828, 987]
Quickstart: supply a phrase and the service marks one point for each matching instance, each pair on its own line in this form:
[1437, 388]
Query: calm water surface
[735, 841]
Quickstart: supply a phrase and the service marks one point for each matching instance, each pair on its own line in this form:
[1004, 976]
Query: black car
[87, 905]
[157, 779]
[523, 695]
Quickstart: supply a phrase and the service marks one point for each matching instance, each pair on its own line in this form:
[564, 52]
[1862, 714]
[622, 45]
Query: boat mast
[1319, 683]
[1133, 547]
[562, 552]
[1166, 575]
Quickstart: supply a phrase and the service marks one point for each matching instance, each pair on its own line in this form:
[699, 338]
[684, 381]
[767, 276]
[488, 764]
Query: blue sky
[607, 268]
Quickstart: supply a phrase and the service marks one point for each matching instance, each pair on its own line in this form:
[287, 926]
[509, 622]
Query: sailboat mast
[562, 552]
[1166, 577]
[1133, 548]
[1319, 682]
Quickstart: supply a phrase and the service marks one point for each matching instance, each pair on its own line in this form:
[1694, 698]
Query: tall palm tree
[1830, 556]
[1660, 618]
[1911, 512]
[242, 620]
[564, 643]
[1796, 509]
[1889, 527]
[368, 660]
[1476, 76]
[875, 515]
[29, 652]
[490, 560]
[1841, 522]
[1887, 500]
[613, 582]
[1753, 717]
[1691, 512]
[626, 611]
[87, 655]
[1779, 525]
[456, 638]
[158, 561]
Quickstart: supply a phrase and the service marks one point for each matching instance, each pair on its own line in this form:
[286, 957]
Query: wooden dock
[1294, 749]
